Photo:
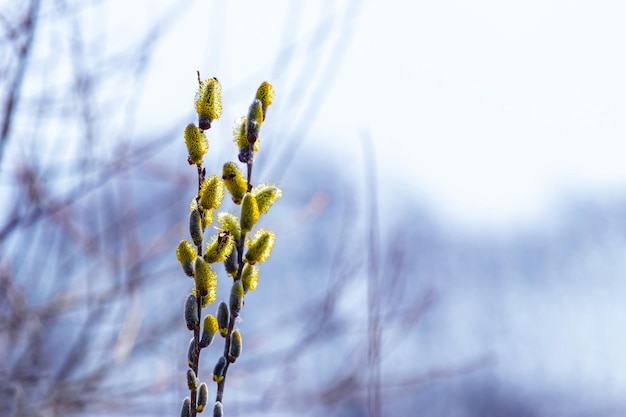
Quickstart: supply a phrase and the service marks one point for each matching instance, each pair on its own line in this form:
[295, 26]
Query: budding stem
[235, 315]
[250, 164]
[196, 330]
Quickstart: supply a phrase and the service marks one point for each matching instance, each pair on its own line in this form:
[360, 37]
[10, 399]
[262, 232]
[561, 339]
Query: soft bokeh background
[452, 231]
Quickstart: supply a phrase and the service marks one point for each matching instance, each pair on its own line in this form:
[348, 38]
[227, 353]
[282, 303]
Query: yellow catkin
[249, 212]
[266, 195]
[250, 277]
[240, 136]
[186, 252]
[197, 143]
[206, 281]
[234, 181]
[209, 328]
[265, 94]
[220, 247]
[211, 192]
[260, 246]
[208, 102]
[229, 221]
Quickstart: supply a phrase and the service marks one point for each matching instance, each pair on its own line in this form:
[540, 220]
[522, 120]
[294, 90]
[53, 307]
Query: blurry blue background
[452, 170]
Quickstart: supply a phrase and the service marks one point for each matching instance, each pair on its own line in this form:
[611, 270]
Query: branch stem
[196, 331]
[235, 315]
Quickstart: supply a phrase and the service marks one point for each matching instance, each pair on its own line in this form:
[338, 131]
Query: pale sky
[492, 111]
[503, 105]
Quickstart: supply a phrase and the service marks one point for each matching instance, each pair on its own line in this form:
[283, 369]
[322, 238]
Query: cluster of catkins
[239, 253]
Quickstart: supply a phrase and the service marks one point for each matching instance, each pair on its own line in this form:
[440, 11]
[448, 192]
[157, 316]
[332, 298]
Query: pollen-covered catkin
[208, 102]
[197, 143]
[230, 222]
[249, 277]
[249, 212]
[240, 134]
[234, 181]
[220, 247]
[186, 254]
[206, 281]
[265, 94]
[211, 192]
[260, 246]
[266, 195]
[233, 244]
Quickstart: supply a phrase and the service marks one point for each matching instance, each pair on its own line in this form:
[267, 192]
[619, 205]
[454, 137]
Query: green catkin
[191, 312]
[218, 370]
[223, 318]
[236, 297]
[185, 410]
[231, 265]
[235, 345]
[195, 227]
[218, 409]
[203, 397]
[191, 352]
[255, 120]
[192, 380]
